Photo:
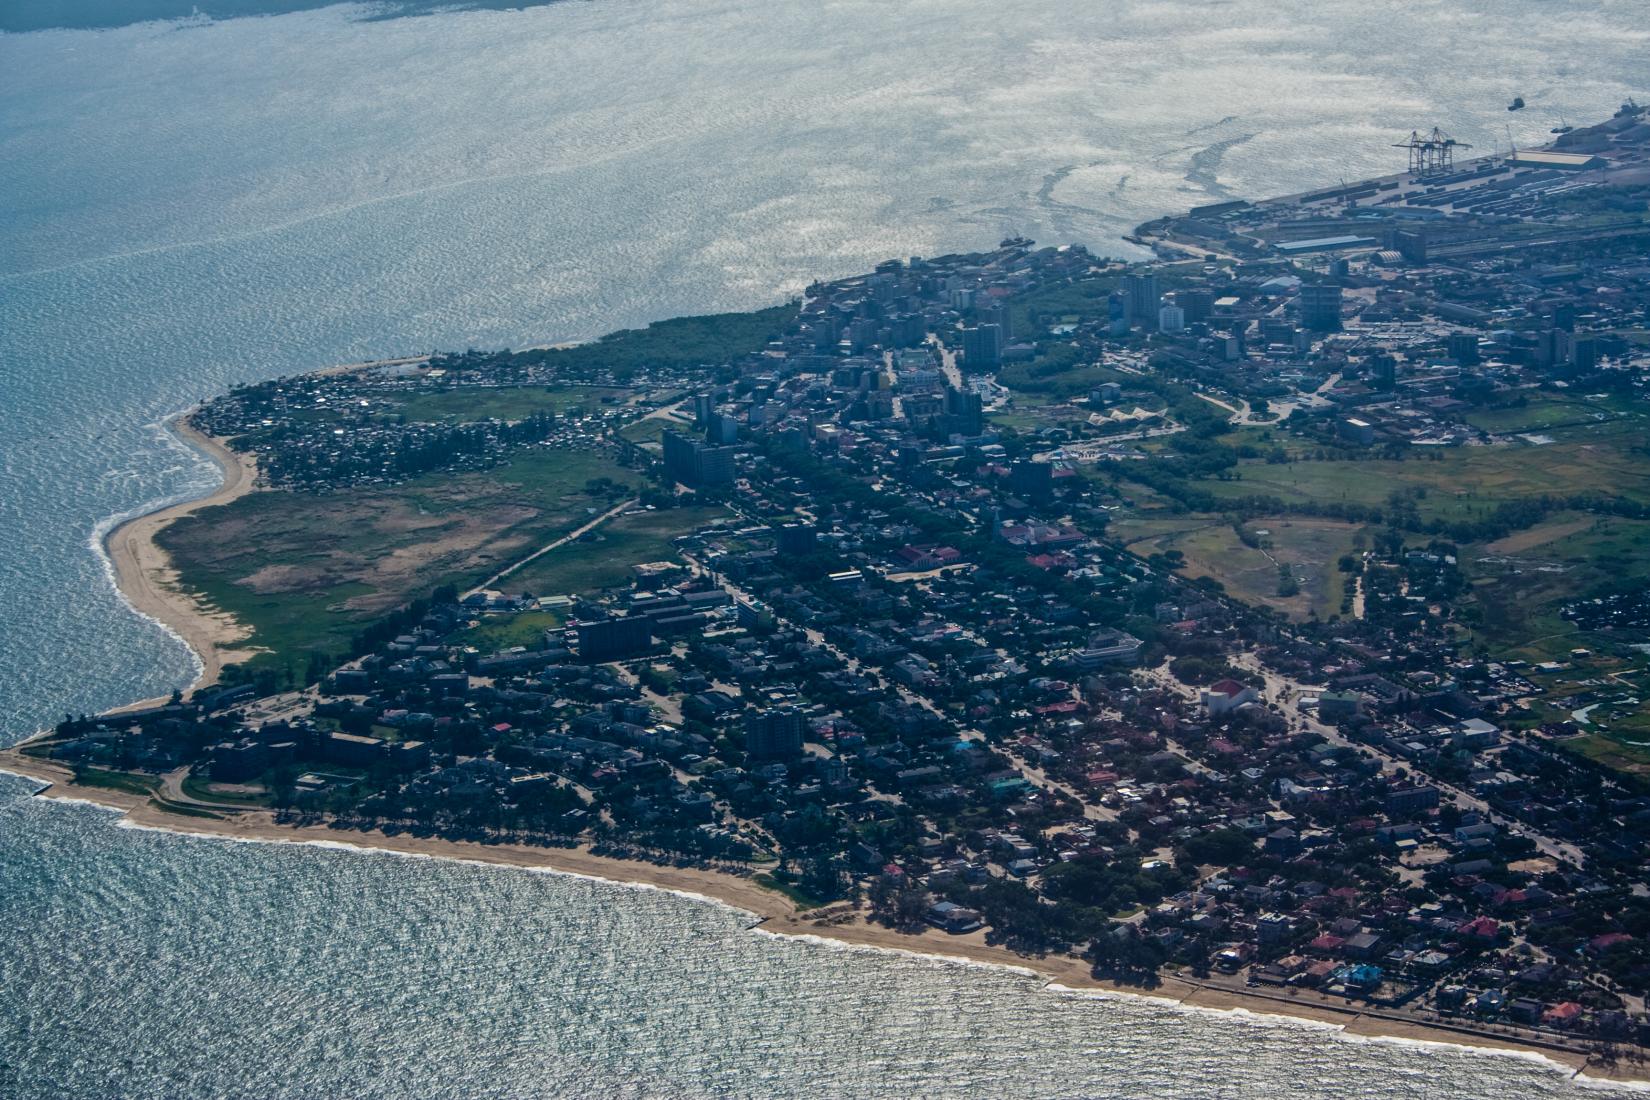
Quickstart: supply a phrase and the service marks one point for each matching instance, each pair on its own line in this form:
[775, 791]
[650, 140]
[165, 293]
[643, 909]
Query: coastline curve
[143, 575]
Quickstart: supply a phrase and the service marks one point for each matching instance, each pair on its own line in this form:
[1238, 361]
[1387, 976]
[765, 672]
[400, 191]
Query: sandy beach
[775, 914]
[147, 579]
[145, 576]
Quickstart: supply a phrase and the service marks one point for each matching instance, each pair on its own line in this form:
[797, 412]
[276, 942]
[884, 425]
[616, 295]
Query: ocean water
[144, 964]
[192, 203]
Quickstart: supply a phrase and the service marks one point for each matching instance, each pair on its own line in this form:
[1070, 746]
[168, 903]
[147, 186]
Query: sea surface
[195, 194]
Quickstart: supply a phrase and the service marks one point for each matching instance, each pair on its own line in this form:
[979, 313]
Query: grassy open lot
[1063, 302]
[499, 632]
[1614, 751]
[1019, 418]
[1521, 581]
[235, 794]
[1150, 533]
[128, 782]
[1464, 483]
[1310, 548]
[652, 429]
[306, 573]
[464, 404]
[1545, 410]
[1058, 374]
[605, 557]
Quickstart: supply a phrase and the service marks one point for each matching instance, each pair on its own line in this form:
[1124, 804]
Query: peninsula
[1261, 626]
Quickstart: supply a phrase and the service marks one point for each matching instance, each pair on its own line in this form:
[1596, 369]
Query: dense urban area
[1273, 613]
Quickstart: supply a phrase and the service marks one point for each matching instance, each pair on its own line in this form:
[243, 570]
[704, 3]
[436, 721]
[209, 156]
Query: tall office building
[982, 347]
[1584, 353]
[1117, 311]
[1552, 348]
[796, 538]
[998, 313]
[721, 428]
[775, 734]
[1321, 307]
[1032, 479]
[1145, 299]
[1171, 318]
[1197, 303]
[696, 464]
[965, 410]
[1463, 348]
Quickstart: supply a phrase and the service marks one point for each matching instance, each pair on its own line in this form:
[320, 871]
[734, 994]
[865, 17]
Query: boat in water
[1517, 104]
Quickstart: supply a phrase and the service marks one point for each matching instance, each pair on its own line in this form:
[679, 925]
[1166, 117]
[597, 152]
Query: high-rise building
[1463, 348]
[983, 347]
[1552, 348]
[720, 428]
[715, 466]
[1171, 318]
[1321, 307]
[1197, 303]
[1032, 479]
[1584, 353]
[696, 464]
[966, 411]
[998, 313]
[613, 639]
[679, 457]
[1383, 371]
[795, 538]
[1144, 297]
[1117, 311]
[775, 734]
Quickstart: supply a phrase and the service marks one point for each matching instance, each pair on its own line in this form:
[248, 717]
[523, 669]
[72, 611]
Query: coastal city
[1270, 616]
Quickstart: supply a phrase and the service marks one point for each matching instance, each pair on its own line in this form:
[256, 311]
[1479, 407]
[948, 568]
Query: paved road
[541, 551]
[1285, 695]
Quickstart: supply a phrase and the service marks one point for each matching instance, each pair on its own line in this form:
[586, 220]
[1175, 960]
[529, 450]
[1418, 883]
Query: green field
[1632, 757]
[1309, 547]
[204, 790]
[128, 782]
[464, 404]
[1018, 419]
[605, 557]
[651, 429]
[1058, 374]
[1464, 483]
[1520, 582]
[1546, 410]
[500, 632]
[305, 572]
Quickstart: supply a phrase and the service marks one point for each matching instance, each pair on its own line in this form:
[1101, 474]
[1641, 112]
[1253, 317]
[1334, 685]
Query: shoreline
[142, 572]
[144, 576]
[776, 915]
[146, 580]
